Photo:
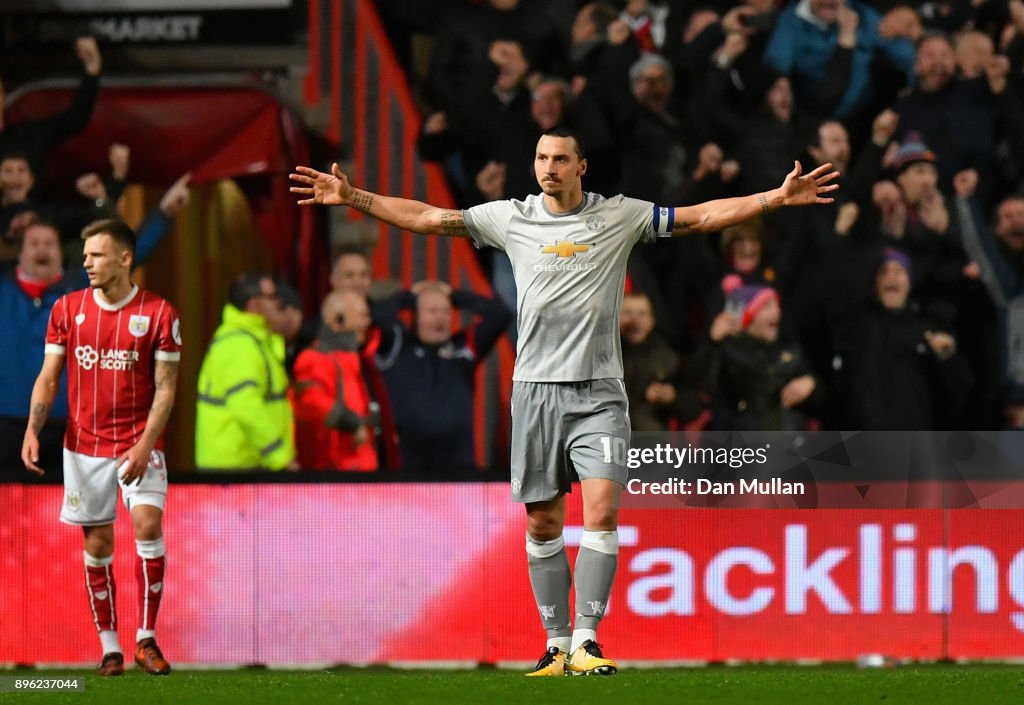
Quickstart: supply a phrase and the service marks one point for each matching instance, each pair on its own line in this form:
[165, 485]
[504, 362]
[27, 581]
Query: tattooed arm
[43, 392]
[334, 189]
[796, 190]
[165, 374]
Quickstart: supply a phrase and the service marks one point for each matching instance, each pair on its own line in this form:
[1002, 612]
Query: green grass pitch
[761, 685]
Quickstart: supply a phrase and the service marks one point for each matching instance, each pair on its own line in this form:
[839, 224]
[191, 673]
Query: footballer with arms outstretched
[122, 346]
[569, 411]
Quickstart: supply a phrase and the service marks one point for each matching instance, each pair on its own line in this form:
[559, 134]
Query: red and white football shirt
[111, 350]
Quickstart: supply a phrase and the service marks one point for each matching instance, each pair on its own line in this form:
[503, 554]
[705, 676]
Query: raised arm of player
[796, 190]
[334, 189]
[43, 392]
[165, 374]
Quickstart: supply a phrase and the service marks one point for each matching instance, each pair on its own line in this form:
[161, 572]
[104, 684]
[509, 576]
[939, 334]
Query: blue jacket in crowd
[23, 321]
[801, 48]
[431, 386]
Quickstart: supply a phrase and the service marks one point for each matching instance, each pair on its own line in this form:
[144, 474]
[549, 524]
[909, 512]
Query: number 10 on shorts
[615, 450]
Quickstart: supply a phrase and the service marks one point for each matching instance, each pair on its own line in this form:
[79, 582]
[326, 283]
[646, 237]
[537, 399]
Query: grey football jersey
[570, 269]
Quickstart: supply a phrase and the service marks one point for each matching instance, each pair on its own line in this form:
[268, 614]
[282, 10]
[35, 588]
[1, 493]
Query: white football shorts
[90, 488]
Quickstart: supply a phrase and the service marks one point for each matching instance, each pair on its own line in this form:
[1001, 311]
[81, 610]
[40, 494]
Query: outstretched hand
[316, 187]
[89, 54]
[803, 190]
[176, 197]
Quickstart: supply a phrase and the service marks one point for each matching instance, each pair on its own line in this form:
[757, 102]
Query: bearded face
[1010, 223]
[936, 64]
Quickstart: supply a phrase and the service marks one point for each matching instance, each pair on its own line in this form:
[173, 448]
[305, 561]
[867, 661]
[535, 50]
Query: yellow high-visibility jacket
[243, 417]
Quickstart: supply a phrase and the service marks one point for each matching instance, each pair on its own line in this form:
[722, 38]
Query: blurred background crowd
[898, 307]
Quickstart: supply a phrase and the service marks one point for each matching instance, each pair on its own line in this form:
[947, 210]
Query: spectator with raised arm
[652, 146]
[99, 197]
[1000, 260]
[756, 383]
[485, 125]
[431, 369]
[827, 48]
[105, 193]
[952, 115]
[37, 138]
[898, 371]
[27, 293]
[459, 64]
[721, 66]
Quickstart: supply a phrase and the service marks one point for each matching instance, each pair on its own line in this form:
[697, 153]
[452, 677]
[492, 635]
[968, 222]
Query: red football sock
[149, 575]
[99, 583]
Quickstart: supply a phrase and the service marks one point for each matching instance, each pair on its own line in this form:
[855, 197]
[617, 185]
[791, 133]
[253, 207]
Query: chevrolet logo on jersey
[566, 248]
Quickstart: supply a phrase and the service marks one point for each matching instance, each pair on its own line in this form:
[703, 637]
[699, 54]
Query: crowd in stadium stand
[40, 256]
[891, 309]
[898, 307]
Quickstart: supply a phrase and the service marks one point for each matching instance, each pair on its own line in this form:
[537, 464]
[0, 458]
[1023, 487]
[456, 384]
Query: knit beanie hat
[912, 151]
[745, 300]
[891, 254]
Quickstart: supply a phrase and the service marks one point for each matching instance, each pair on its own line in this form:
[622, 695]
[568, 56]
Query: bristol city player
[122, 346]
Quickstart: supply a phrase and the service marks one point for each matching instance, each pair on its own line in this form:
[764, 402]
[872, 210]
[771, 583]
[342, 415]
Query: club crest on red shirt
[138, 325]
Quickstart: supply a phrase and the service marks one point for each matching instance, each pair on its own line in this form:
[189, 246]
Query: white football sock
[108, 640]
[581, 635]
[562, 642]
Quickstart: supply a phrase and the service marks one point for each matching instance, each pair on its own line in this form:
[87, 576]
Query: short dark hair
[565, 132]
[811, 129]
[118, 230]
[15, 153]
[37, 222]
[1003, 201]
[346, 250]
[245, 287]
[930, 34]
[289, 296]
[637, 294]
